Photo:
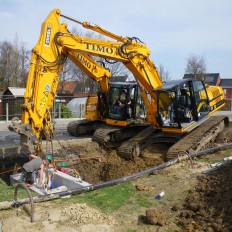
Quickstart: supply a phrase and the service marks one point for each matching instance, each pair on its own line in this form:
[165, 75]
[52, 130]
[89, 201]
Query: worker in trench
[35, 164]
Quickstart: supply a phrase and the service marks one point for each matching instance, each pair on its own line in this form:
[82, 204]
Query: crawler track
[111, 136]
[192, 142]
[103, 135]
[131, 148]
[200, 137]
[82, 127]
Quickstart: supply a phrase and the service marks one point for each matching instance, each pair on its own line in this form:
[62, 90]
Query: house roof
[15, 91]
[226, 83]
[71, 86]
[68, 87]
[209, 78]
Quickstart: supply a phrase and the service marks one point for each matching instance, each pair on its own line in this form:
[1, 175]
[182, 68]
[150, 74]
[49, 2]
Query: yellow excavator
[175, 112]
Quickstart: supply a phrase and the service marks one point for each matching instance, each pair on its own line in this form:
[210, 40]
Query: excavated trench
[95, 164]
[10, 166]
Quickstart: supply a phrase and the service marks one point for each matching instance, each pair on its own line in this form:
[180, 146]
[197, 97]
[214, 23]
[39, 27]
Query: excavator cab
[124, 102]
[182, 102]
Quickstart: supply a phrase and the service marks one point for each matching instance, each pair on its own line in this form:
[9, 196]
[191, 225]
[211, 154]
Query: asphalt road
[60, 129]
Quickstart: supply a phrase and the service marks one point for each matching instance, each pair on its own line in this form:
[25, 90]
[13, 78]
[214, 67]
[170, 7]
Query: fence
[60, 109]
[10, 107]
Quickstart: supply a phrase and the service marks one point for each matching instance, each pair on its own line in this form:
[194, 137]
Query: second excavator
[174, 112]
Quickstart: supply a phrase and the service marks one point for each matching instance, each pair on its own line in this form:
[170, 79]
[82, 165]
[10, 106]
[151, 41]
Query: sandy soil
[192, 202]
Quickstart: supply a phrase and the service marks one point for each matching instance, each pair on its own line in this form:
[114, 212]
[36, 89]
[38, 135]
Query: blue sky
[173, 30]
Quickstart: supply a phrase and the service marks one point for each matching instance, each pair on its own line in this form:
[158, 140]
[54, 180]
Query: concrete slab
[62, 182]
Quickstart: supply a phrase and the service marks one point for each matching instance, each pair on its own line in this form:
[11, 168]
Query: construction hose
[17, 203]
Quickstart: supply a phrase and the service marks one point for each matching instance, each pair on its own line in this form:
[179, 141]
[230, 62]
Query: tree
[5, 61]
[14, 63]
[196, 66]
[164, 74]
[24, 61]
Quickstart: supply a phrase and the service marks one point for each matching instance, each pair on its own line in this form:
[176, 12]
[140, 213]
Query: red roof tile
[68, 87]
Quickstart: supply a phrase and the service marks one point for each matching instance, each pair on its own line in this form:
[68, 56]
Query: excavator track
[102, 135]
[131, 148]
[111, 136]
[200, 137]
[82, 127]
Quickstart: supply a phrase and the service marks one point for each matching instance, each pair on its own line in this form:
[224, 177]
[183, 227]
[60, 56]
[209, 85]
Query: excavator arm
[45, 68]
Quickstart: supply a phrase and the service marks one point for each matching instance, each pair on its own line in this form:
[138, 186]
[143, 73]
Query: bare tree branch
[164, 74]
[14, 63]
[196, 65]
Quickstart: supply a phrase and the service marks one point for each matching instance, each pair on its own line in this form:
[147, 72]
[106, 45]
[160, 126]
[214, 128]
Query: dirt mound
[81, 214]
[75, 217]
[209, 208]
[154, 217]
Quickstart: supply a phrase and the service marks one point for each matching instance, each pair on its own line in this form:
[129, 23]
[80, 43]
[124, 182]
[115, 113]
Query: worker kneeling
[35, 164]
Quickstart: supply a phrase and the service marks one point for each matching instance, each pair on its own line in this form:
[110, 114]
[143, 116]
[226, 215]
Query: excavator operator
[124, 103]
[184, 105]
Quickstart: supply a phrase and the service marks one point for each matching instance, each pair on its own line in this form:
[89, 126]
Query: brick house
[226, 84]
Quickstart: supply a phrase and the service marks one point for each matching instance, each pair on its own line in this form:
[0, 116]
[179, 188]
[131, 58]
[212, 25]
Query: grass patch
[205, 159]
[170, 230]
[143, 200]
[112, 198]
[228, 153]
[7, 192]
[107, 199]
